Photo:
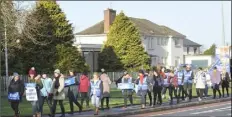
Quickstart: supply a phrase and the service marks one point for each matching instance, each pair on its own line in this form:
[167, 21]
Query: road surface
[209, 110]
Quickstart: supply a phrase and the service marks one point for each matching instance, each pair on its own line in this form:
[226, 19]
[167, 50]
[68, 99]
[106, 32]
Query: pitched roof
[188, 42]
[145, 27]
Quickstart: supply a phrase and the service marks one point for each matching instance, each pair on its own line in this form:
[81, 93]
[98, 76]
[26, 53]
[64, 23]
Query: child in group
[96, 91]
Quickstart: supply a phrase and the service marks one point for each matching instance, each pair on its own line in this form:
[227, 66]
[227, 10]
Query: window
[163, 41]
[187, 50]
[195, 50]
[150, 44]
[158, 41]
[166, 41]
[177, 42]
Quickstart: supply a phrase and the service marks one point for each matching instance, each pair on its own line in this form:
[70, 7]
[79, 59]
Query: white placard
[31, 94]
[126, 85]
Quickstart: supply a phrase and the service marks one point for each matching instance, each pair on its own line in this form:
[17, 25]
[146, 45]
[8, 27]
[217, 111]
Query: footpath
[136, 109]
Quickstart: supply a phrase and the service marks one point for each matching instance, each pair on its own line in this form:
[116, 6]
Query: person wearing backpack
[15, 93]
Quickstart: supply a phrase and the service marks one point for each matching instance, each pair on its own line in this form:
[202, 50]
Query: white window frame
[177, 42]
[158, 41]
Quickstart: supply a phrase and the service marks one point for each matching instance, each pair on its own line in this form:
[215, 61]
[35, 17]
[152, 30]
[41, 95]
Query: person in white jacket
[200, 81]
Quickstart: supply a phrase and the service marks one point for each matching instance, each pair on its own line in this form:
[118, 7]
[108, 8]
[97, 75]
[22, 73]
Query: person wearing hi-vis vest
[180, 91]
[127, 93]
[71, 83]
[164, 75]
[142, 81]
[96, 91]
[15, 93]
[38, 85]
[58, 92]
[187, 80]
[215, 77]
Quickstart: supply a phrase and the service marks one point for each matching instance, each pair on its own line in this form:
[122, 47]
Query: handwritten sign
[31, 94]
[69, 81]
[14, 96]
[126, 85]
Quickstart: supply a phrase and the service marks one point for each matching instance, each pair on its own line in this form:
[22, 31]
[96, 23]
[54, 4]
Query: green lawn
[25, 107]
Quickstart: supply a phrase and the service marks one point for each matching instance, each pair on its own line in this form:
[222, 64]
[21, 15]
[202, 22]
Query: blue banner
[126, 85]
[30, 85]
[69, 81]
[14, 96]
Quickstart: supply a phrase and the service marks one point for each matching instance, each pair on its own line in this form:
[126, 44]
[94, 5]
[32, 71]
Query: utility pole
[223, 27]
[6, 50]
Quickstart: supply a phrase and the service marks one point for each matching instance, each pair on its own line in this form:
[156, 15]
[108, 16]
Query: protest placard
[126, 85]
[69, 81]
[31, 94]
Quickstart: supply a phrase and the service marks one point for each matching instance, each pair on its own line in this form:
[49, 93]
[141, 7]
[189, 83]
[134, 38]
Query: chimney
[109, 16]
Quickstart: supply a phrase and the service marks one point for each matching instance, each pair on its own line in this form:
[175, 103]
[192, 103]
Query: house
[191, 48]
[163, 44]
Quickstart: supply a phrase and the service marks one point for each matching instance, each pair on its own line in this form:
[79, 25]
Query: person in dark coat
[15, 93]
[157, 86]
[225, 83]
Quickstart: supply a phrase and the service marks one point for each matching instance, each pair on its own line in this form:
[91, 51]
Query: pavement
[150, 111]
[212, 110]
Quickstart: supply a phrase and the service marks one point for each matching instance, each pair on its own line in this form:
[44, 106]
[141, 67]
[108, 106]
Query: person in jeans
[225, 83]
[45, 91]
[173, 87]
[15, 93]
[38, 86]
[58, 92]
[84, 88]
[73, 92]
[200, 81]
[215, 77]
[96, 91]
[148, 74]
[187, 80]
[142, 81]
[157, 86]
[127, 93]
[106, 88]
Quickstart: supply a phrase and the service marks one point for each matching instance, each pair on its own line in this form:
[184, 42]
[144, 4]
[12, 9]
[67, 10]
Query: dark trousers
[172, 90]
[15, 107]
[49, 103]
[200, 92]
[188, 90]
[149, 96]
[107, 102]
[180, 92]
[125, 99]
[73, 99]
[61, 107]
[215, 89]
[84, 96]
[206, 91]
[157, 92]
[227, 90]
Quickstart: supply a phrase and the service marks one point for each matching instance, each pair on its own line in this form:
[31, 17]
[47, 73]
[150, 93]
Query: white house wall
[189, 58]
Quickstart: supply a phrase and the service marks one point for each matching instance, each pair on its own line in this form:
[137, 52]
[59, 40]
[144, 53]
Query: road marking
[214, 110]
[167, 113]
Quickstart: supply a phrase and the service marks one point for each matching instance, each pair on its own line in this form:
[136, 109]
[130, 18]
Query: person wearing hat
[215, 77]
[106, 88]
[187, 80]
[15, 93]
[73, 92]
[58, 92]
[142, 81]
[127, 93]
[96, 91]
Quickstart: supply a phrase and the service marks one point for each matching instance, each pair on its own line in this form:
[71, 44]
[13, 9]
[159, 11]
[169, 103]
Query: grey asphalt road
[209, 110]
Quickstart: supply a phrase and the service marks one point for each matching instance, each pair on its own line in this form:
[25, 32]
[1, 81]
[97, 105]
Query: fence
[113, 76]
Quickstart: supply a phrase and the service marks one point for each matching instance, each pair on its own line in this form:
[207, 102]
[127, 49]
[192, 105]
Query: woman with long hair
[157, 86]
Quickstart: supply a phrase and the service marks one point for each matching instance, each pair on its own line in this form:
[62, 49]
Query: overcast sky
[199, 21]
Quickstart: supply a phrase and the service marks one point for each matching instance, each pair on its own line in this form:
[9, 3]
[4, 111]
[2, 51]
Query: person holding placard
[58, 92]
[15, 93]
[142, 83]
[126, 92]
[96, 91]
[72, 83]
[33, 93]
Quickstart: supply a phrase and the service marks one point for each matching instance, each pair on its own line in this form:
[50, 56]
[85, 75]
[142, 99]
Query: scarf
[57, 83]
[141, 79]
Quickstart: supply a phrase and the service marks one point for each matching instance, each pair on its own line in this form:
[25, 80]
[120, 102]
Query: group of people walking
[158, 81]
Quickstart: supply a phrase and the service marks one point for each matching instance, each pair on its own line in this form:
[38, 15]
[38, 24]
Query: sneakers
[186, 99]
[199, 99]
